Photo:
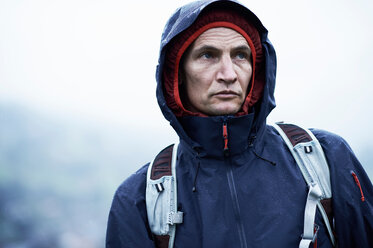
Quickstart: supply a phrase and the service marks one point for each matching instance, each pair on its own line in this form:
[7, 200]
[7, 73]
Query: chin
[225, 111]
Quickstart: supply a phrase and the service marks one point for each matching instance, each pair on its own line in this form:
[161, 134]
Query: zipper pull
[358, 184]
[225, 138]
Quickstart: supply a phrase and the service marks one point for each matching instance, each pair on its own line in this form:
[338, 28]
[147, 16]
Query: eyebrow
[212, 48]
[205, 48]
[242, 48]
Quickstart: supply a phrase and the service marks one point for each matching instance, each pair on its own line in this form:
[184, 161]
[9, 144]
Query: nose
[226, 72]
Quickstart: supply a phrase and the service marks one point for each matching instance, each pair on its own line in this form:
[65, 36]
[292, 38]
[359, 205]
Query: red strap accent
[315, 243]
[328, 207]
[295, 134]
[161, 241]
[162, 163]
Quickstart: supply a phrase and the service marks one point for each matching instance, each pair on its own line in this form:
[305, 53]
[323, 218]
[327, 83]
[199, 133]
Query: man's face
[216, 72]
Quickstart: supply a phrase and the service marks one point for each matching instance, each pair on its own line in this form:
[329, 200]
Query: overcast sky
[96, 59]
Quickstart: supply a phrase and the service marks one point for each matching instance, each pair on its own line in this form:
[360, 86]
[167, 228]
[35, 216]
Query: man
[238, 184]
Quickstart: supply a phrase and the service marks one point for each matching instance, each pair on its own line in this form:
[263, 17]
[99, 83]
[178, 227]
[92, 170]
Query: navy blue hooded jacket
[242, 200]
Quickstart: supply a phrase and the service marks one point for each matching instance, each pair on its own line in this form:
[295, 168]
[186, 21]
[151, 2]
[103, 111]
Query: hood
[180, 21]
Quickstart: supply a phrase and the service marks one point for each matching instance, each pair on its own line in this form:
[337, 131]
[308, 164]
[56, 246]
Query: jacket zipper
[225, 138]
[358, 184]
[232, 188]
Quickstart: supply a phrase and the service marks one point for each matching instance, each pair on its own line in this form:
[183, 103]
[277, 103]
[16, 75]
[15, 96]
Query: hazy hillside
[58, 176]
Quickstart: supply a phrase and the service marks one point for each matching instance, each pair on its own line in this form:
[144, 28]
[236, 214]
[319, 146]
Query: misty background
[78, 112]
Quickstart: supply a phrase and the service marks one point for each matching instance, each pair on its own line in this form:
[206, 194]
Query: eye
[206, 55]
[241, 55]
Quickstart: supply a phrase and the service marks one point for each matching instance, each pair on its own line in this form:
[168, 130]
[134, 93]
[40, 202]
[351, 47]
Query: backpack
[161, 187]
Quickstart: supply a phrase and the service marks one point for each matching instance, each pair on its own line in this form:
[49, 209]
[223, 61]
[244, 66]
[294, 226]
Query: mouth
[226, 94]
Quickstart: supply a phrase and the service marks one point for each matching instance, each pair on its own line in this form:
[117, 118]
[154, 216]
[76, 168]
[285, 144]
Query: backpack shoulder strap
[311, 161]
[161, 197]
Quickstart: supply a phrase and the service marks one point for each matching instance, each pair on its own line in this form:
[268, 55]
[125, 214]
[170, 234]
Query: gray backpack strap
[311, 161]
[161, 197]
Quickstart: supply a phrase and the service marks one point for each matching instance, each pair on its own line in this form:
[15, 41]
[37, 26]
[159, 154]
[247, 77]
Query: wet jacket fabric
[253, 197]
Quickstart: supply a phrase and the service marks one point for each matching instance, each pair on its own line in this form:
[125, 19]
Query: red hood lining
[178, 45]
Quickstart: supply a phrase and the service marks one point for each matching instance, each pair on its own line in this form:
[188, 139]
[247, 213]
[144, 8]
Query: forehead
[220, 37]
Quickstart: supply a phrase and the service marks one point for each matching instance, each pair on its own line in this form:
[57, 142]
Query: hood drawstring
[194, 189]
[251, 144]
[264, 159]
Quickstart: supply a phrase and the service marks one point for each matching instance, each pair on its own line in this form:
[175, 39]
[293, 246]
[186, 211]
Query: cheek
[198, 82]
[245, 78]
[193, 87]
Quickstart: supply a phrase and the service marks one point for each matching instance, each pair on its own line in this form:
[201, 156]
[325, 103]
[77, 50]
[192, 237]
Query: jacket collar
[206, 134]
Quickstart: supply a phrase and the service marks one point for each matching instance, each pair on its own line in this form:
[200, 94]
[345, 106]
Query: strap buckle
[175, 218]
[312, 239]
